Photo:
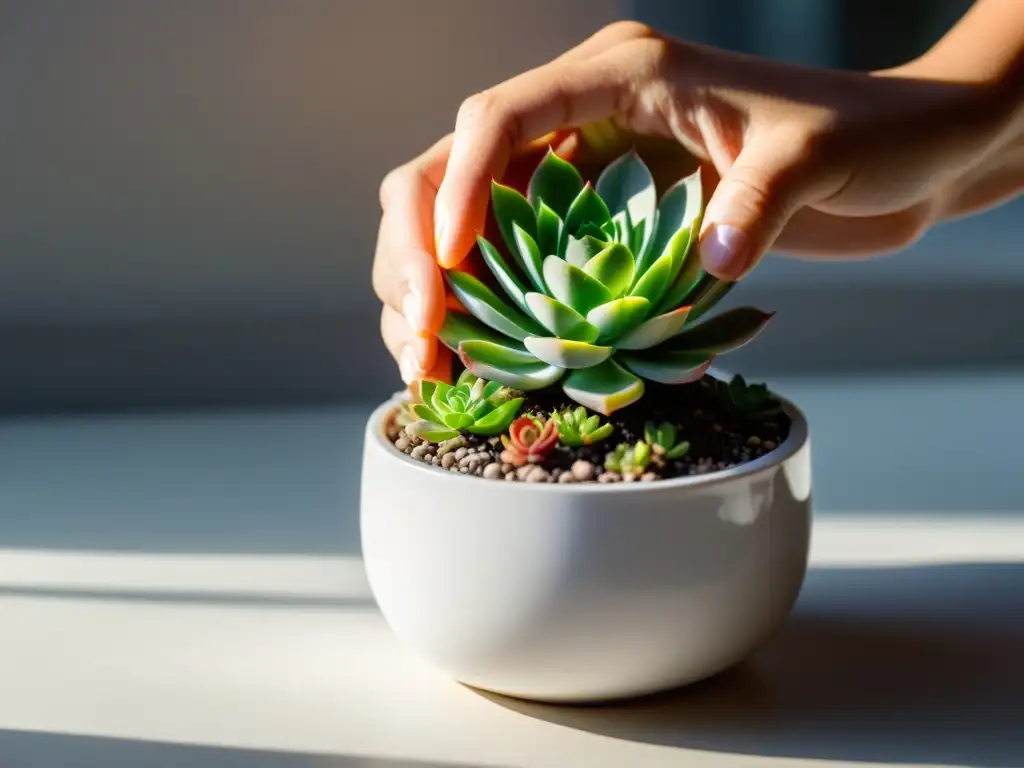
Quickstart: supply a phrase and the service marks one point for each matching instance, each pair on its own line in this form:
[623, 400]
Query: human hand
[802, 161]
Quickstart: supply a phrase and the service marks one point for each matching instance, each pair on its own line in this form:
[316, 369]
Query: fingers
[773, 176]
[566, 93]
[405, 275]
[415, 355]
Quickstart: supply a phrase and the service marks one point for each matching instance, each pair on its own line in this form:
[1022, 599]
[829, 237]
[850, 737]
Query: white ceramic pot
[585, 592]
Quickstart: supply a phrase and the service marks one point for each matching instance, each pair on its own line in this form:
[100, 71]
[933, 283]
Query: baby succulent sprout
[751, 401]
[576, 427]
[629, 460]
[599, 288]
[662, 439]
[528, 441]
[472, 405]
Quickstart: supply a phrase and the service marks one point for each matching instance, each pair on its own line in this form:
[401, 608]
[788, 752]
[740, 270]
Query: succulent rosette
[601, 288]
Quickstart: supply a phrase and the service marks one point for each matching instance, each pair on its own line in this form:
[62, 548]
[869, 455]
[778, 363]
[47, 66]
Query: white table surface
[186, 590]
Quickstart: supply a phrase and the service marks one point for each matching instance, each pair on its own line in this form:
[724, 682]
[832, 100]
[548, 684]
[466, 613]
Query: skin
[807, 162]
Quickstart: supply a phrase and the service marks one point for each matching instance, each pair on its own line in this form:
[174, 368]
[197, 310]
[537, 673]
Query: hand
[803, 161]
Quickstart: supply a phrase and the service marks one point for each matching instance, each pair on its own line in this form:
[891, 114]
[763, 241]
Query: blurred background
[188, 212]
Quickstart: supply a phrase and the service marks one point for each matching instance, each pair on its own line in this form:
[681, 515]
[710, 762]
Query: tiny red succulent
[528, 441]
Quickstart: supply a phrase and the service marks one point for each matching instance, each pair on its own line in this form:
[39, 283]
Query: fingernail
[412, 309]
[440, 232]
[725, 251]
[409, 365]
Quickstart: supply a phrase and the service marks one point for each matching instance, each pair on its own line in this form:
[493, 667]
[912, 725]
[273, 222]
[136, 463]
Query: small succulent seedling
[472, 405]
[529, 440]
[602, 290]
[751, 401]
[576, 427]
[629, 460]
[662, 439]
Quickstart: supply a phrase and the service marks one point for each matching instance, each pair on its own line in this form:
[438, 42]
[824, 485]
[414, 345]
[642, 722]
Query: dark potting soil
[719, 438]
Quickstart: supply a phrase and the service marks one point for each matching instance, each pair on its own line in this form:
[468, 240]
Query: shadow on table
[47, 750]
[902, 665]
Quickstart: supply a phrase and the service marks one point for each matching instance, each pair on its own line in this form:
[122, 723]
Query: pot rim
[799, 435]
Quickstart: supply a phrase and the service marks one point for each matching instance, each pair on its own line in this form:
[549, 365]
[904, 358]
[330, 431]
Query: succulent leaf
[458, 420]
[511, 208]
[435, 433]
[549, 229]
[562, 320]
[706, 294]
[485, 305]
[494, 354]
[666, 367]
[572, 286]
[555, 182]
[587, 208]
[425, 412]
[459, 327]
[655, 331]
[626, 184]
[616, 318]
[522, 374]
[678, 209]
[497, 421]
[688, 274]
[565, 353]
[613, 268]
[509, 281]
[530, 256]
[575, 428]
[723, 333]
[655, 282]
[604, 388]
[579, 251]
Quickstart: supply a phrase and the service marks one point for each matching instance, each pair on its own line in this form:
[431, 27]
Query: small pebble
[609, 477]
[506, 468]
[753, 441]
[464, 470]
[768, 445]
[419, 451]
[582, 470]
[648, 477]
[403, 444]
[523, 472]
[461, 453]
[492, 471]
[716, 427]
[510, 476]
[448, 460]
[538, 475]
[566, 477]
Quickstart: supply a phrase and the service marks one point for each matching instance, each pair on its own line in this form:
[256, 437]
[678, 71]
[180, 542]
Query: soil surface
[719, 438]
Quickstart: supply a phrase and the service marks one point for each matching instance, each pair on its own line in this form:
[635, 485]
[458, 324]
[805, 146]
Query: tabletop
[187, 590]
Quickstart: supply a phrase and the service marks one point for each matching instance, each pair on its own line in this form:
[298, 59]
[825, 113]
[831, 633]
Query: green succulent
[628, 459]
[662, 439]
[576, 428]
[751, 401]
[602, 291]
[472, 405]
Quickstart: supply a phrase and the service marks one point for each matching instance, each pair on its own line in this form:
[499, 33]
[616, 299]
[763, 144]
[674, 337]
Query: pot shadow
[897, 665]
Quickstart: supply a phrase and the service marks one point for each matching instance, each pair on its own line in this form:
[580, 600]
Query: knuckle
[648, 56]
[394, 178]
[478, 107]
[628, 29]
[759, 192]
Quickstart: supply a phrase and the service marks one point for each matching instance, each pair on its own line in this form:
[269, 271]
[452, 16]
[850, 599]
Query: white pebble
[582, 470]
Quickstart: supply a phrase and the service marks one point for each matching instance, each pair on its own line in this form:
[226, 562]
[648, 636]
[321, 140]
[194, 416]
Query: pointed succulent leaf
[616, 318]
[587, 208]
[565, 353]
[655, 282]
[638, 238]
[485, 305]
[623, 228]
[627, 185]
[706, 294]
[509, 281]
[613, 268]
[572, 286]
[597, 434]
[427, 388]
[497, 421]
[493, 392]
[562, 320]
[579, 251]
[439, 399]
[723, 333]
[459, 327]
[523, 372]
[425, 412]
[655, 330]
[688, 274]
[511, 208]
[666, 367]
[605, 388]
[555, 182]
[678, 450]
[458, 420]
[678, 209]
[432, 432]
[549, 229]
[530, 256]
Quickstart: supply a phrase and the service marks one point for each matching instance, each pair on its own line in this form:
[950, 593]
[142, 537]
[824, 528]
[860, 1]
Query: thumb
[768, 182]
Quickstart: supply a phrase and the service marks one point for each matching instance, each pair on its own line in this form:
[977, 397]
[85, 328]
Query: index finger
[491, 125]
